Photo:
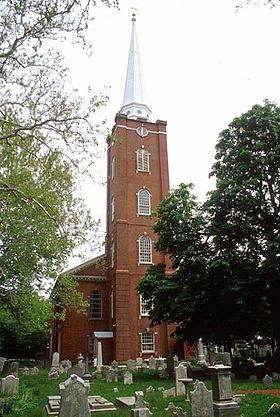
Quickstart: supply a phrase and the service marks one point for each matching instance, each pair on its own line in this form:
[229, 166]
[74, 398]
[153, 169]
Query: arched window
[144, 202]
[95, 305]
[145, 250]
[142, 160]
[113, 209]
[113, 168]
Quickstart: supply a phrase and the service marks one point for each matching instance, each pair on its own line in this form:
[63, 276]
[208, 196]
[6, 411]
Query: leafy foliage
[48, 136]
[225, 254]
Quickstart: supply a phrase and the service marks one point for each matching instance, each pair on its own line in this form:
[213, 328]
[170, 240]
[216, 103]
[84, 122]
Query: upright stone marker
[99, 356]
[74, 398]
[9, 385]
[152, 363]
[180, 373]
[127, 378]
[201, 401]
[2, 361]
[139, 409]
[55, 360]
[223, 404]
[200, 354]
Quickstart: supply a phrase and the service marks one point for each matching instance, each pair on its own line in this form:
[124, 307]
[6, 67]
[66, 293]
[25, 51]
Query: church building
[137, 180]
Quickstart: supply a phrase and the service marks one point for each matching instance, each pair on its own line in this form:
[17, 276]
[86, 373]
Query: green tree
[48, 136]
[244, 208]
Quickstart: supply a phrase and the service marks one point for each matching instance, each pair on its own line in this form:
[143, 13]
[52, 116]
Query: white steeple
[134, 102]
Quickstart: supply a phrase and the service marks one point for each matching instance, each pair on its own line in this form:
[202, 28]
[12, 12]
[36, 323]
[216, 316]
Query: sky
[204, 62]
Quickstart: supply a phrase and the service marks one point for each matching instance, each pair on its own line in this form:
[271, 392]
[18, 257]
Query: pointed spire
[134, 102]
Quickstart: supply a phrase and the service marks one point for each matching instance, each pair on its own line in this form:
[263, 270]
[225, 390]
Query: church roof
[135, 101]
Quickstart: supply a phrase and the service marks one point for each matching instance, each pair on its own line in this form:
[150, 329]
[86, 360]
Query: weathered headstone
[139, 361]
[253, 378]
[130, 364]
[223, 403]
[14, 368]
[26, 371]
[74, 398]
[171, 392]
[180, 373]
[175, 411]
[201, 401]
[2, 361]
[53, 374]
[267, 381]
[9, 385]
[175, 360]
[200, 354]
[111, 376]
[127, 378]
[99, 356]
[152, 363]
[275, 376]
[114, 365]
[226, 359]
[140, 409]
[55, 360]
[76, 370]
[34, 371]
[150, 389]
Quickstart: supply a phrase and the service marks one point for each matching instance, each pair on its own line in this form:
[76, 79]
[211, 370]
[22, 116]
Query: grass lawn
[35, 389]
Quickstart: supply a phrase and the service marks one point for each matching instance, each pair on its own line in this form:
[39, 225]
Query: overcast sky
[204, 63]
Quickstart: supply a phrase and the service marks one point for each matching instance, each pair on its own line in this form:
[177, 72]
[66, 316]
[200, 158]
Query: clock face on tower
[142, 131]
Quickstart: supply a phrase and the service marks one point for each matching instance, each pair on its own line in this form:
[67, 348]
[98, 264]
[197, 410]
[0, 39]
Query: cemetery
[157, 386]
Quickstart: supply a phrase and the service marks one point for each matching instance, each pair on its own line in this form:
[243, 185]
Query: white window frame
[145, 249]
[113, 168]
[95, 305]
[113, 254]
[142, 160]
[144, 202]
[143, 307]
[148, 342]
[113, 206]
[91, 344]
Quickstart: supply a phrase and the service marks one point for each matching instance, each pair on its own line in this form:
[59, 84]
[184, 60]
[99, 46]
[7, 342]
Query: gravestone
[14, 368]
[53, 375]
[139, 361]
[171, 392]
[9, 385]
[267, 381]
[180, 373]
[2, 361]
[55, 360]
[175, 411]
[130, 364]
[139, 409]
[99, 356]
[175, 360]
[6, 368]
[127, 378]
[201, 401]
[200, 354]
[76, 369]
[150, 389]
[114, 365]
[152, 363]
[74, 398]
[275, 376]
[26, 371]
[253, 378]
[160, 363]
[223, 403]
[226, 359]
[34, 371]
[111, 376]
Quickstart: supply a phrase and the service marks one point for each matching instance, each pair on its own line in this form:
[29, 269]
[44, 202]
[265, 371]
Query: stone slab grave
[74, 400]
[125, 402]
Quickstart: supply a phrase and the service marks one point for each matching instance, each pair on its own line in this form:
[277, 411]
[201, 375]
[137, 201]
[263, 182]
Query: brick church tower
[137, 180]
